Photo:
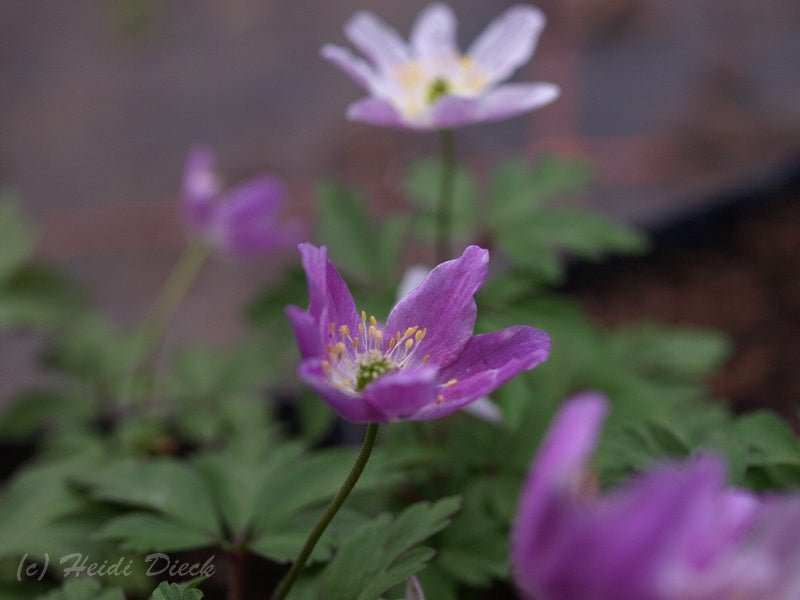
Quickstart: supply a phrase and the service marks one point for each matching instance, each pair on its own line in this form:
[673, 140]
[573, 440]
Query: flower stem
[236, 566]
[352, 478]
[444, 214]
[154, 327]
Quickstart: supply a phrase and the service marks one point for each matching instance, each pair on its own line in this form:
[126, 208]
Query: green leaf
[165, 485]
[17, 235]
[348, 231]
[422, 188]
[385, 552]
[769, 439]
[33, 510]
[144, 532]
[519, 190]
[83, 588]
[176, 591]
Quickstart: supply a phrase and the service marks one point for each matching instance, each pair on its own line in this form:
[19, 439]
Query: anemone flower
[675, 532]
[428, 83]
[242, 222]
[424, 362]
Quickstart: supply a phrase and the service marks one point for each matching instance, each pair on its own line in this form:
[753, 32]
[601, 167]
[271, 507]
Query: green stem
[154, 327]
[352, 478]
[444, 214]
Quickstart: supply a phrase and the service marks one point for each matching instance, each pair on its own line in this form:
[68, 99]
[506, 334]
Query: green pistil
[437, 89]
[369, 372]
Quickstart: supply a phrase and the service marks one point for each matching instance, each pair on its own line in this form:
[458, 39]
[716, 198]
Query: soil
[736, 268]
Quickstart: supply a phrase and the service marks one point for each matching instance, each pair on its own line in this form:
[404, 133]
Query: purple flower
[676, 532]
[428, 83]
[424, 362]
[242, 222]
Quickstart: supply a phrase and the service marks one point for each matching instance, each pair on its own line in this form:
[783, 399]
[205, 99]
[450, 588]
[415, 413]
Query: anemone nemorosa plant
[424, 362]
[428, 83]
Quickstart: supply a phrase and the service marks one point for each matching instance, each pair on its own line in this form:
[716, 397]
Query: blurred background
[689, 111]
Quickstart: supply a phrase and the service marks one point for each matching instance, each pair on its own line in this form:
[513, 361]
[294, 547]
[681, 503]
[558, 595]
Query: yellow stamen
[410, 331]
[373, 321]
[426, 358]
[421, 335]
[344, 330]
[363, 315]
[392, 342]
[356, 342]
[409, 343]
[451, 383]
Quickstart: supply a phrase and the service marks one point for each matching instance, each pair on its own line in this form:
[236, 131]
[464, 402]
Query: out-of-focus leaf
[422, 188]
[17, 235]
[83, 588]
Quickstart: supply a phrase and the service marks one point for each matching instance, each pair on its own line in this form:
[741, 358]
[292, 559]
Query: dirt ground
[737, 270]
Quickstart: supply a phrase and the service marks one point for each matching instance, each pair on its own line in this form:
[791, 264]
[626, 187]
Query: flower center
[371, 370]
[357, 358]
[439, 87]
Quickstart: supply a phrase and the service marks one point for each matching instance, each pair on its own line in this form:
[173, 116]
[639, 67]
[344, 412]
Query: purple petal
[443, 304]
[258, 240]
[245, 223]
[330, 298]
[558, 467]
[508, 42]
[357, 69]
[401, 394]
[351, 408]
[487, 362]
[200, 188]
[379, 42]
[306, 330]
[433, 35]
[375, 111]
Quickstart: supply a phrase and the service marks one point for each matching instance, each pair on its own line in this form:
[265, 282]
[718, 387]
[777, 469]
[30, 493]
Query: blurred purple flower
[424, 363]
[676, 532]
[242, 222]
[428, 83]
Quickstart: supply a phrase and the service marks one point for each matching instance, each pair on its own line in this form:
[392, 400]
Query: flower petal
[443, 304]
[515, 99]
[401, 394]
[358, 70]
[487, 362]
[412, 278]
[330, 298]
[484, 409]
[433, 35]
[306, 330]
[508, 42]
[376, 112]
[200, 187]
[504, 102]
[379, 42]
[562, 455]
[348, 407]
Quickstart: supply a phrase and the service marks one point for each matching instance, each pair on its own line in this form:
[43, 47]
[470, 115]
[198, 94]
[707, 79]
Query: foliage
[219, 447]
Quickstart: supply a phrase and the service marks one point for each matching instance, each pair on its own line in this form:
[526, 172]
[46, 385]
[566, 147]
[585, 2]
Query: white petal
[485, 410]
[379, 42]
[434, 32]
[413, 276]
[358, 70]
[414, 590]
[508, 41]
